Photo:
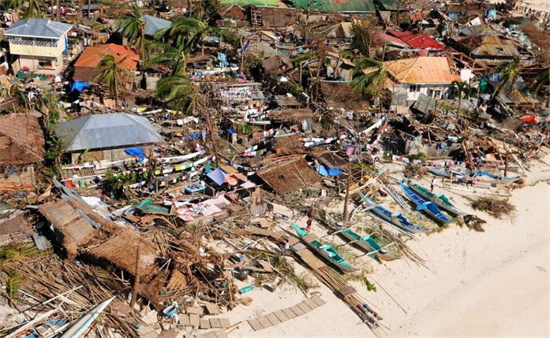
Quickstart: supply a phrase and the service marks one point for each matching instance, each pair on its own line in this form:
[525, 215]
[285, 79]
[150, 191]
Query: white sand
[494, 283]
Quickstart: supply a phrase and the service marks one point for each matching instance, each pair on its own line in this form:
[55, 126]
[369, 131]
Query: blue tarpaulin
[325, 171]
[79, 86]
[218, 176]
[135, 152]
[231, 131]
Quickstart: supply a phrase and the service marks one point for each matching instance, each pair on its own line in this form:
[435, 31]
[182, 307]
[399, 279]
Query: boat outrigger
[439, 199]
[428, 207]
[81, 326]
[366, 243]
[326, 251]
[396, 219]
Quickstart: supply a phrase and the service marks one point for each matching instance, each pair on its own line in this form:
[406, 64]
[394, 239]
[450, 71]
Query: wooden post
[506, 164]
[136, 278]
[347, 195]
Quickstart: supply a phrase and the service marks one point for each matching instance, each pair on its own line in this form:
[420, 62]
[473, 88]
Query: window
[46, 64]
[24, 41]
[414, 88]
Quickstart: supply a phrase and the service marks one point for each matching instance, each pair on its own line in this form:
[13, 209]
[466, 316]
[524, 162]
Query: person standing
[432, 184]
[309, 223]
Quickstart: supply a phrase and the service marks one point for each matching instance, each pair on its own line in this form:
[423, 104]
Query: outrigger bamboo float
[439, 199]
[326, 251]
[81, 326]
[366, 243]
[426, 206]
[396, 219]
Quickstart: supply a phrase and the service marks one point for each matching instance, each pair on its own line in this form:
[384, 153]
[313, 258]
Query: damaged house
[289, 176]
[431, 76]
[21, 151]
[107, 137]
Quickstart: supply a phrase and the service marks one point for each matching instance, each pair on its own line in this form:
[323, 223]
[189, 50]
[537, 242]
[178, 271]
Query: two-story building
[408, 78]
[38, 45]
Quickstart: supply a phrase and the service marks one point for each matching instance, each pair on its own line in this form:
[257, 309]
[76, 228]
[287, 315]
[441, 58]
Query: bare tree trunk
[89, 5]
[346, 199]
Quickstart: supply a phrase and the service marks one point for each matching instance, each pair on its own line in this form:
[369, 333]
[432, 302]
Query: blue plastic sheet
[325, 171]
[136, 152]
[79, 86]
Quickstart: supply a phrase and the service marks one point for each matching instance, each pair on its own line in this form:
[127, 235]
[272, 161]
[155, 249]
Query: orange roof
[423, 69]
[92, 55]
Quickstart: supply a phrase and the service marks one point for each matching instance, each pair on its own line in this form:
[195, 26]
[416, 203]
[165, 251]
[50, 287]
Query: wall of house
[36, 47]
[20, 177]
[107, 155]
[436, 91]
[41, 65]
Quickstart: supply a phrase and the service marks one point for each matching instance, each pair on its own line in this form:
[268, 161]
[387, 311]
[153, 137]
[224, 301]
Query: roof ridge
[89, 117]
[410, 68]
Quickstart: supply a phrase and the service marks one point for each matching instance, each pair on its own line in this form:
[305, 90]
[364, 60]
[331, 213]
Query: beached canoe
[446, 173]
[396, 219]
[81, 326]
[426, 206]
[366, 243]
[439, 199]
[326, 251]
[487, 177]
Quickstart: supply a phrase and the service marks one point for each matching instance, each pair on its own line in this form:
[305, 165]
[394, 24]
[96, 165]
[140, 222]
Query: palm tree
[34, 7]
[509, 71]
[464, 90]
[112, 73]
[180, 93]
[133, 28]
[185, 33]
[368, 77]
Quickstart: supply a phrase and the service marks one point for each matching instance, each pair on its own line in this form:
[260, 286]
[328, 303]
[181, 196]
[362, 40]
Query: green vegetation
[112, 73]
[494, 207]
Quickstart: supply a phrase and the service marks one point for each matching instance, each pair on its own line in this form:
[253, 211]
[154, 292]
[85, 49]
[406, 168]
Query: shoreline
[492, 283]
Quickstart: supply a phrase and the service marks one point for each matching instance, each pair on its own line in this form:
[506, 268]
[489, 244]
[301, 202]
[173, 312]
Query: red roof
[380, 38]
[417, 41]
[92, 55]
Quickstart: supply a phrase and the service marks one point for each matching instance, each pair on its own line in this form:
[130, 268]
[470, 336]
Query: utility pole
[347, 194]
[136, 278]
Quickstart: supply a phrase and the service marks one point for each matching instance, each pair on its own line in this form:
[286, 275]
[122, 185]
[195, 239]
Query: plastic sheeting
[136, 152]
[79, 86]
[325, 171]
[218, 176]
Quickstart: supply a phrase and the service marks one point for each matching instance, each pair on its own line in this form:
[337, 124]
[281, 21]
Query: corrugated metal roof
[491, 45]
[40, 28]
[418, 40]
[107, 131]
[154, 24]
[423, 69]
[345, 6]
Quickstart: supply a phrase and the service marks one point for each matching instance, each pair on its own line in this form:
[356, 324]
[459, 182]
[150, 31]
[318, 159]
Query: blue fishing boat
[446, 173]
[326, 251]
[366, 243]
[487, 177]
[395, 219]
[439, 199]
[427, 206]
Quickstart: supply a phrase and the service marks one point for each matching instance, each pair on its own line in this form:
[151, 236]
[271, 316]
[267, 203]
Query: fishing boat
[439, 199]
[81, 326]
[326, 251]
[446, 173]
[487, 177]
[366, 243]
[396, 219]
[427, 206]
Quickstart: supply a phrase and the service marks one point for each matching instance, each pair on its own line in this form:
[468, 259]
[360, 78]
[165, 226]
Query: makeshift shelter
[21, 149]
[289, 176]
[73, 228]
[329, 164]
[122, 251]
[105, 137]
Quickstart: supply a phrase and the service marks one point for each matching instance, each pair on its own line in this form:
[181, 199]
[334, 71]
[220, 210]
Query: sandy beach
[492, 283]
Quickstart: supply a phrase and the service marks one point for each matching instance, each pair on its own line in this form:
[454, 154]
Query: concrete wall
[34, 50]
[33, 63]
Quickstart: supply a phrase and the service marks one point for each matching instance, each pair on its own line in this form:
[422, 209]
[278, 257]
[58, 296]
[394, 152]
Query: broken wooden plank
[225, 323]
[297, 310]
[215, 323]
[304, 307]
[273, 319]
[204, 324]
[310, 303]
[264, 322]
[281, 315]
[289, 313]
[318, 300]
[255, 324]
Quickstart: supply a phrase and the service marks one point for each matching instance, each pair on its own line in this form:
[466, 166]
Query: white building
[429, 75]
[38, 45]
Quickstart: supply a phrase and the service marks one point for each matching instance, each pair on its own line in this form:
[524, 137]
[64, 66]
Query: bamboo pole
[136, 279]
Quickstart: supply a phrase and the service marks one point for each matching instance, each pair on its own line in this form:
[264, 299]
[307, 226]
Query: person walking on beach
[287, 245]
[432, 184]
[309, 223]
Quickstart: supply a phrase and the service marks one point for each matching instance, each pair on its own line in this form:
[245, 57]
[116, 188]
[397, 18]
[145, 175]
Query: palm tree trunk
[459, 102]
[57, 10]
[89, 5]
